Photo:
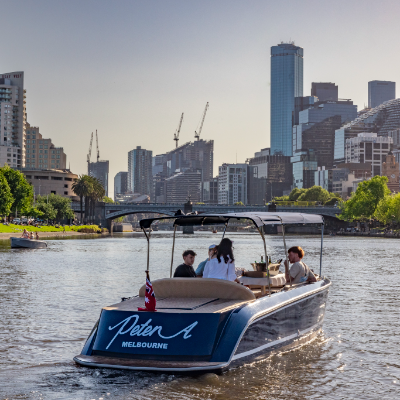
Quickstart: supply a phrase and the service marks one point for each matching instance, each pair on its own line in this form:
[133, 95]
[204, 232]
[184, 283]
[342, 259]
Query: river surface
[50, 300]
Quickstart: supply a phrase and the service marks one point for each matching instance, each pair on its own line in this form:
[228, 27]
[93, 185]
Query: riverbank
[370, 234]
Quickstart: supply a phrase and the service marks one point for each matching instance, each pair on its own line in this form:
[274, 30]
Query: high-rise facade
[140, 177]
[120, 184]
[232, 184]
[12, 119]
[380, 91]
[100, 170]
[286, 84]
[325, 91]
[41, 153]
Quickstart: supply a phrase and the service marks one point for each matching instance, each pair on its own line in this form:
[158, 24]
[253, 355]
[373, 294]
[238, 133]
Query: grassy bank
[20, 228]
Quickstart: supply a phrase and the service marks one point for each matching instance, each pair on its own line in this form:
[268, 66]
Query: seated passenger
[186, 270]
[299, 271]
[212, 252]
[25, 234]
[223, 265]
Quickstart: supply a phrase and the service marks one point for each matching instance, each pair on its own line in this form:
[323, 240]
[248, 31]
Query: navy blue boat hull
[187, 342]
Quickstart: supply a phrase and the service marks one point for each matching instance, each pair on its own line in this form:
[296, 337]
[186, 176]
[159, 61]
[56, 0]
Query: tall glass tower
[286, 84]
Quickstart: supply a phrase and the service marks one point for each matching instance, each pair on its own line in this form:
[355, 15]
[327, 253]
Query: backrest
[199, 288]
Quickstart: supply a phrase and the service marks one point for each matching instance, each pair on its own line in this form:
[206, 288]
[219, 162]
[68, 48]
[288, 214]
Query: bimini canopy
[259, 219]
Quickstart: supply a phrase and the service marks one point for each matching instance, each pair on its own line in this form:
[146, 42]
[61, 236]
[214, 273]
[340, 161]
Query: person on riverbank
[212, 253]
[223, 265]
[186, 269]
[299, 271]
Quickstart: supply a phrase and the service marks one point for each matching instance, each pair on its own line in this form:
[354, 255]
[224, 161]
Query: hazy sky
[130, 68]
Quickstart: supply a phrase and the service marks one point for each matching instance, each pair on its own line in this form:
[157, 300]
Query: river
[50, 300]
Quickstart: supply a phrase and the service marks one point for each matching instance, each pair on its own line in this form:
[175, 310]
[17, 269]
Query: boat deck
[182, 305]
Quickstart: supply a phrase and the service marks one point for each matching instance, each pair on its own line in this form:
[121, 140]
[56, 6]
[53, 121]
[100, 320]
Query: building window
[66, 186]
[66, 193]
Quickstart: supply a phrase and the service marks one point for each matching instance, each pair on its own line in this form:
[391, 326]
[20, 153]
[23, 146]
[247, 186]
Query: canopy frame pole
[286, 255]
[322, 243]
[148, 247]
[226, 224]
[172, 255]
[261, 230]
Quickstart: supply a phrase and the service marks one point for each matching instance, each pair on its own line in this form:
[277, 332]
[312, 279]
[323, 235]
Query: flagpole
[172, 256]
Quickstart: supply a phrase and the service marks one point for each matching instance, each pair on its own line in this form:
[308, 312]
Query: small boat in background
[18, 243]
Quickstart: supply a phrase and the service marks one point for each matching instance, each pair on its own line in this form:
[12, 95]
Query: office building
[181, 187]
[304, 163]
[232, 184]
[120, 184]
[12, 119]
[380, 120]
[56, 181]
[380, 91]
[323, 178]
[368, 148]
[301, 104]
[42, 153]
[269, 176]
[347, 176]
[210, 191]
[140, 177]
[286, 84]
[325, 91]
[395, 135]
[100, 170]
[390, 168]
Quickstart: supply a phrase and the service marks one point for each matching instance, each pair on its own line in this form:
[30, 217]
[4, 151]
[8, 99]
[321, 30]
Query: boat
[210, 325]
[18, 243]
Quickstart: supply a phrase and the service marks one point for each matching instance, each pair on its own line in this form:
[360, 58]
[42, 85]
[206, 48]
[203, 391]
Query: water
[50, 300]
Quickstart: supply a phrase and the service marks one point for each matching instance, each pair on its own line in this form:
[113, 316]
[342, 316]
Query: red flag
[150, 297]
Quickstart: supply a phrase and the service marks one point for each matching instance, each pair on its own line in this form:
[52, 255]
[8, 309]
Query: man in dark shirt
[186, 270]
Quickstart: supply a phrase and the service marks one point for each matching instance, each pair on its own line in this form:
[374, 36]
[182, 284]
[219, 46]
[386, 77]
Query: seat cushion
[199, 287]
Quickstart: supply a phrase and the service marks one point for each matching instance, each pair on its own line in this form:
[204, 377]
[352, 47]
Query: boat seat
[199, 288]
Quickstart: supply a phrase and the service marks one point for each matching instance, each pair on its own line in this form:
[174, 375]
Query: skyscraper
[100, 170]
[12, 119]
[120, 184]
[380, 91]
[286, 84]
[325, 91]
[140, 177]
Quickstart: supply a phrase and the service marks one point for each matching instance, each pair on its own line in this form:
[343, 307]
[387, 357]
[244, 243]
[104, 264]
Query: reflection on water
[50, 299]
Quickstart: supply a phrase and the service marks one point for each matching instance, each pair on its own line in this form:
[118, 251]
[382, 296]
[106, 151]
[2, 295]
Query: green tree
[6, 198]
[364, 202]
[296, 193]
[61, 206]
[388, 209]
[21, 189]
[315, 193]
[82, 187]
[238, 203]
[47, 210]
[108, 200]
[281, 198]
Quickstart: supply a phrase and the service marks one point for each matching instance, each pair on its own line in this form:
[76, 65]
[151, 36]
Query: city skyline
[130, 71]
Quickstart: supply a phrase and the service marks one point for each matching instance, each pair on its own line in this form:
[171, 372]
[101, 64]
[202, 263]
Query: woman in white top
[223, 265]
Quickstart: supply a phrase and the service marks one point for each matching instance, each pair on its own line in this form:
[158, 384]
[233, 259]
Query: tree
[388, 209]
[82, 186]
[6, 198]
[21, 189]
[108, 200]
[364, 202]
[281, 198]
[315, 193]
[47, 210]
[296, 193]
[238, 203]
[61, 206]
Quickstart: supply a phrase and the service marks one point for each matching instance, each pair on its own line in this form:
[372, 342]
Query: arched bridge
[105, 212]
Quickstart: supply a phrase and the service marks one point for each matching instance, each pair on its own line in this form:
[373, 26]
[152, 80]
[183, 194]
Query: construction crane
[197, 134]
[176, 134]
[90, 150]
[97, 145]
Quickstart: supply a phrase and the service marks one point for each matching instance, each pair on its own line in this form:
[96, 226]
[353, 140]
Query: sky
[130, 68]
